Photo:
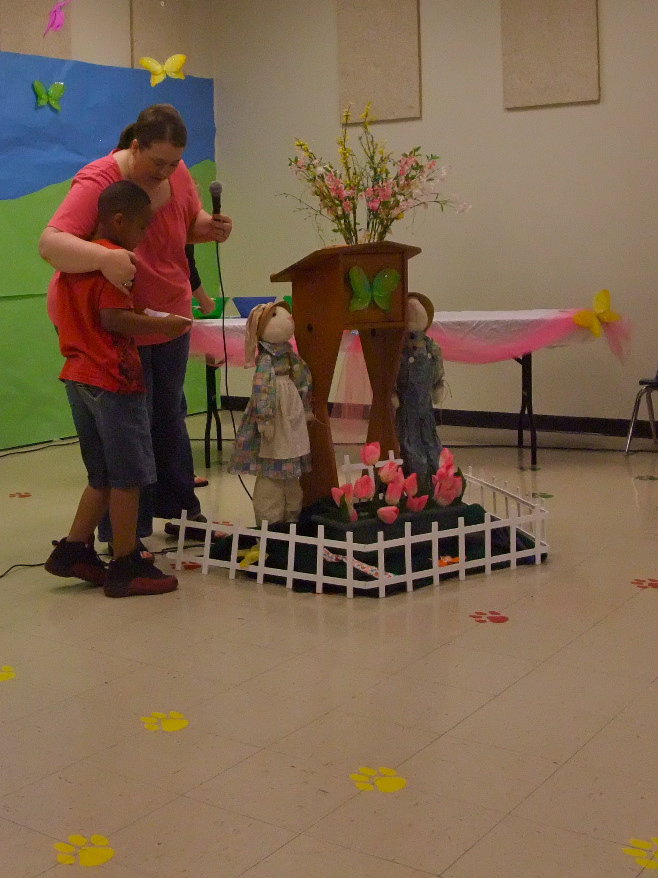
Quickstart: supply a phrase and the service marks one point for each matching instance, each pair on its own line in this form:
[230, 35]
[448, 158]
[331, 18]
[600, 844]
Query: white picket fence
[522, 515]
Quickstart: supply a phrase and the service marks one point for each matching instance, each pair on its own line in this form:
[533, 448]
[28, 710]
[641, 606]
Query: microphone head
[215, 189]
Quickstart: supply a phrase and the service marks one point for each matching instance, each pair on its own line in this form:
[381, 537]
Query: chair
[212, 413]
[647, 387]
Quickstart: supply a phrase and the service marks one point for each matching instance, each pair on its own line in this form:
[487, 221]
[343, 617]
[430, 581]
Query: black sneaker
[76, 561]
[191, 532]
[135, 575]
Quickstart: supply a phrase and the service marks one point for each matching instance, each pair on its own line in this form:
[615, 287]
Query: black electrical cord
[221, 292]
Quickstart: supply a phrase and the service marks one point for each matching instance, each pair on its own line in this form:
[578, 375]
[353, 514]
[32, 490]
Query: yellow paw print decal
[645, 853]
[165, 722]
[386, 780]
[7, 673]
[85, 852]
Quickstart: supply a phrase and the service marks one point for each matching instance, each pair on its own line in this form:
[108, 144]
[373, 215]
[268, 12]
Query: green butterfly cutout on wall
[49, 96]
[381, 290]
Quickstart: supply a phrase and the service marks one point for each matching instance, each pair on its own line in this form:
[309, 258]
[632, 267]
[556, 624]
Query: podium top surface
[327, 253]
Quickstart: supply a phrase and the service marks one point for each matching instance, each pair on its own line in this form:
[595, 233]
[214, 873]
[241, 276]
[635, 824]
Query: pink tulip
[394, 491]
[447, 490]
[353, 514]
[388, 514]
[446, 458]
[364, 488]
[388, 472]
[370, 453]
[345, 491]
[417, 504]
[411, 485]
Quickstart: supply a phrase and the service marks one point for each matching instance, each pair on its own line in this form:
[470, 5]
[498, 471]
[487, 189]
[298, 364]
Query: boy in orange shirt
[105, 388]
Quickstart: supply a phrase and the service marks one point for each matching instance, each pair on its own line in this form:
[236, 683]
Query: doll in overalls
[272, 442]
[418, 388]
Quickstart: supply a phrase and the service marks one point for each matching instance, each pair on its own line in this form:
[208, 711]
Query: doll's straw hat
[256, 323]
[427, 305]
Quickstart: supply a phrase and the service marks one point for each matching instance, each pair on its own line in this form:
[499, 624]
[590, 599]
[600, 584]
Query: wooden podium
[321, 296]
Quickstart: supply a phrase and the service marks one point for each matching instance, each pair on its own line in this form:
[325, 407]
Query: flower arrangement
[386, 186]
[389, 493]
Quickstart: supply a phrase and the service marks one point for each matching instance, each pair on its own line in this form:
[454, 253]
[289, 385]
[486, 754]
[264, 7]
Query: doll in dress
[272, 442]
[418, 388]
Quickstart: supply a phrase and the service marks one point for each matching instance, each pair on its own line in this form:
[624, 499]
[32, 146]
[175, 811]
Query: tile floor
[529, 748]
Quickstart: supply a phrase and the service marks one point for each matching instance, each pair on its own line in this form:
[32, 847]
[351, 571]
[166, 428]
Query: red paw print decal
[188, 565]
[21, 494]
[489, 616]
[645, 583]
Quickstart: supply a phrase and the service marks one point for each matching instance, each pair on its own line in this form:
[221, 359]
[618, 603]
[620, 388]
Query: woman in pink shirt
[153, 160]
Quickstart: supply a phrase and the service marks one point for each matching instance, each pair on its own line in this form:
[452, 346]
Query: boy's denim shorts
[114, 434]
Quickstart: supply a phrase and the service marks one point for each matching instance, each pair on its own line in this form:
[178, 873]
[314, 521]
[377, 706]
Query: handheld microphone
[216, 195]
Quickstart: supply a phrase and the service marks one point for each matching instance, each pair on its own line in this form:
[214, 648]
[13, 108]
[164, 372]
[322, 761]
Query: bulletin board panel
[379, 57]
[550, 52]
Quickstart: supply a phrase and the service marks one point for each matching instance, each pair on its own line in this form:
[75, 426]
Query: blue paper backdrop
[41, 146]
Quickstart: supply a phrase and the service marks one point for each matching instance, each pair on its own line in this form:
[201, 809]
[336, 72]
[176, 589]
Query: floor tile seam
[224, 770]
[238, 813]
[271, 853]
[544, 824]
[57, 702]
[48, 773]
[573, 756]
[352, 850]
[149, 812]
[78, 761]
[4, 818]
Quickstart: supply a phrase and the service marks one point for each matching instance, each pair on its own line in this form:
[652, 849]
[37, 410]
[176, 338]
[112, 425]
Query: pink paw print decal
[645, 583]
[489, 616]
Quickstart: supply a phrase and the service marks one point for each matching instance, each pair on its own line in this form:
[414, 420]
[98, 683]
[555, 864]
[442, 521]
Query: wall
[563, 197]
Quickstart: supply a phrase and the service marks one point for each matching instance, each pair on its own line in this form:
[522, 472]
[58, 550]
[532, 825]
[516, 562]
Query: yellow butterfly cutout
[249, 556]
[173, 67]
[593, 318]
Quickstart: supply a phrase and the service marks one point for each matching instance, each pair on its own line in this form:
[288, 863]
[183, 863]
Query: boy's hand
[172, 325]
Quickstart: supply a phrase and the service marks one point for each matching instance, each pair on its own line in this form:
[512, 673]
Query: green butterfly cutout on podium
[49, 96]
[380, 290]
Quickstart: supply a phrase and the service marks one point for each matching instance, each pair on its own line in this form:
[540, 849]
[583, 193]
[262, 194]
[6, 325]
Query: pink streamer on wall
[56, 16]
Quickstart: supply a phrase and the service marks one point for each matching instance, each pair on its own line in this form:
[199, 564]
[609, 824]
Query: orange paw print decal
[645, 853]
[386, 780]
[489, 616]
[21, 494]
[645, 583]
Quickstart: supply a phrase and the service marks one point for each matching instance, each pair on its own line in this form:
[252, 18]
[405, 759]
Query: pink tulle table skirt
[464, 336]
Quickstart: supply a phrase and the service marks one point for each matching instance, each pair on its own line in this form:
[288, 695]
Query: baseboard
[508, 420]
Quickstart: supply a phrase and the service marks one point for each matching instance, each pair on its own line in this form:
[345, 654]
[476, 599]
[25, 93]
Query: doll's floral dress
[281, 392]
